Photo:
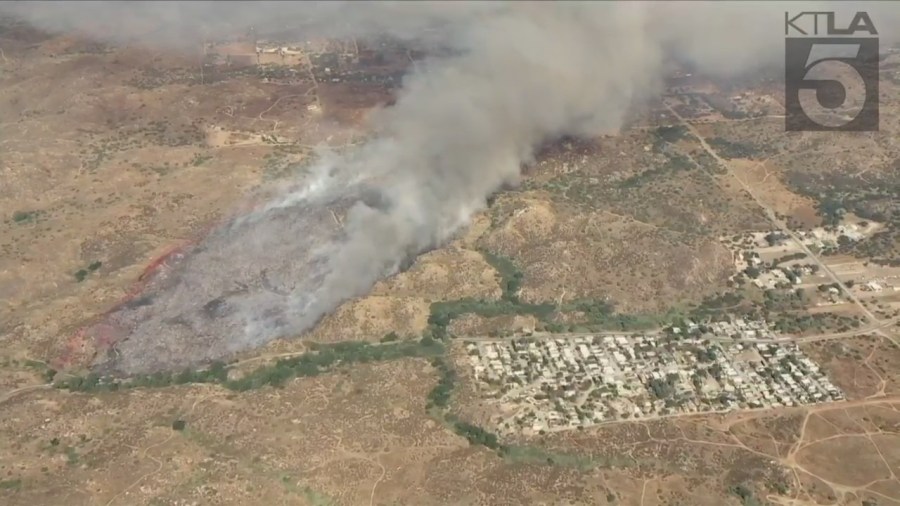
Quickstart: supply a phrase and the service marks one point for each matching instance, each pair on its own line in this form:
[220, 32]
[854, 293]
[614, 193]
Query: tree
[742, 491]
[775, 238]
[660, 388]
[832, 210]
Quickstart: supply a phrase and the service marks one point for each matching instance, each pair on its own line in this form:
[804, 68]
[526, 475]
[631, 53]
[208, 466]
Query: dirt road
[781, 225]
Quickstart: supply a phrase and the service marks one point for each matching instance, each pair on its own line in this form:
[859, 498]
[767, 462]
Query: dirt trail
[781, 225]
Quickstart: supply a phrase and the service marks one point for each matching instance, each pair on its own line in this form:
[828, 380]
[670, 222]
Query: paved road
[770, 214]
[796, 339]
[870, 329]
[824, 406]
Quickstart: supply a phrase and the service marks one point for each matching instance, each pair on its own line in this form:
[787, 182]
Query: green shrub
[24, 216]
[673, 133]
[10, 484]
[732, 149]
[318, 361]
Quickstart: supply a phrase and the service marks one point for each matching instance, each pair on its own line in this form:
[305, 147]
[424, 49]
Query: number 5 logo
[831, 84]
[827, 66]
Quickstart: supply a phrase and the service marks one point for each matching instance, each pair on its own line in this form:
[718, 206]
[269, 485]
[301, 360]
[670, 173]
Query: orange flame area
[98, 335]
[154, 265]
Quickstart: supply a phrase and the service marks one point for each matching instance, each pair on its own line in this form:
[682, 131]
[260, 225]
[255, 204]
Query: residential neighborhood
[542, 385]
[772, 260]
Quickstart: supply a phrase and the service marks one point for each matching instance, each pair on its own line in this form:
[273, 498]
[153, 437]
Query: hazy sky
[463, 124]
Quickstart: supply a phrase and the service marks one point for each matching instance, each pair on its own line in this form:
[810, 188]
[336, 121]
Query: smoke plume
[516, 75]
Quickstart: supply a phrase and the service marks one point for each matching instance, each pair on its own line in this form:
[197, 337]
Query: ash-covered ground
[250, 280]
[512, 75]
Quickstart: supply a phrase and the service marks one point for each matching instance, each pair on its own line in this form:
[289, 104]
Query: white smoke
[517, 74]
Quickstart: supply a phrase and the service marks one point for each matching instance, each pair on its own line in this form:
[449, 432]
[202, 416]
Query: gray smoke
[518, 74]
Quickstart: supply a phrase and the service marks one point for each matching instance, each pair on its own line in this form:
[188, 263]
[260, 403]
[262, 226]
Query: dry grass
[568, 253]
[101, 169]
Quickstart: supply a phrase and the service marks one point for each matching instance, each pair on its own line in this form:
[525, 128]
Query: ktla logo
[831, 83]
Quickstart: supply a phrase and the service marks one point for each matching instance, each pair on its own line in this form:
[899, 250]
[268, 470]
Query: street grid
[560, 383]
